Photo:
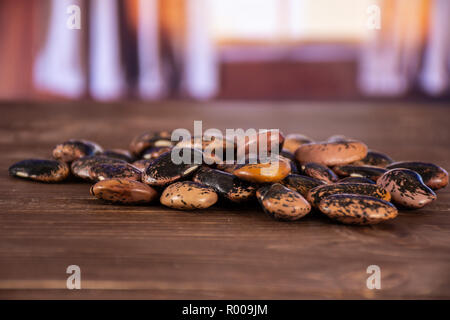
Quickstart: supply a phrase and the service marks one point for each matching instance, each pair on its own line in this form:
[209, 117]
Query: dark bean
[150, 139]
[374, 158]
[75, 149]
[226, 184]
[81, 168]
[162, 170]
[40, 170]
[300, 183]
[370, 172]
[104, 171]
[154, 152]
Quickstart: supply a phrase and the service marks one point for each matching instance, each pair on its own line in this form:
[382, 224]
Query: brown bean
[253, 144]
[123, 190]
[282, 203]
[188, 195]
[407, 188]
[331, 153]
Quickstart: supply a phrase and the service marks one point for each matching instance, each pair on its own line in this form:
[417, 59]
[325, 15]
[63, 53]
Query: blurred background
[224, 49]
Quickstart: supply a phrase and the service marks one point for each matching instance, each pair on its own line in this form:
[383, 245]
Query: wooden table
[220, 253]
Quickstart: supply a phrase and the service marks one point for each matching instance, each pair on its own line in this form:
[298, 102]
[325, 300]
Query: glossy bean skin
[188, 195]
[72, 150]
[104, 171]
[357, 209]
[282, 203]
[163, 170]
[150, 139]
[81, 168]
[300, 183]
[320, 172]
[374, 158]
[432, 175]
[331, 153]
[225, 184]
[318, 193]
[407, 188]
[41, 170]
[264, 172]
[124, 191]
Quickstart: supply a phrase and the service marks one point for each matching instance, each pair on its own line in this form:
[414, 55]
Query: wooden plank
[229, 253]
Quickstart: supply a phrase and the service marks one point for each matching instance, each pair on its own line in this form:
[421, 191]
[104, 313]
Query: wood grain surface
[153, 252]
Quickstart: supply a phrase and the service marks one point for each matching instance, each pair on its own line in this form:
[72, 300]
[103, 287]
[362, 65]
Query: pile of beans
[339, 177]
